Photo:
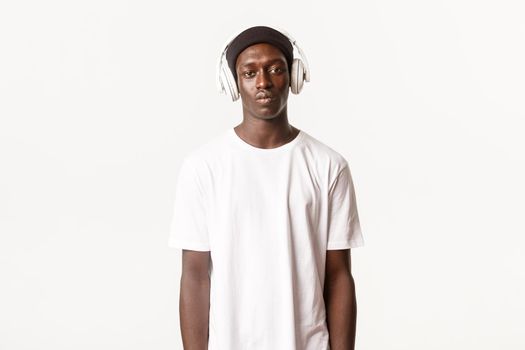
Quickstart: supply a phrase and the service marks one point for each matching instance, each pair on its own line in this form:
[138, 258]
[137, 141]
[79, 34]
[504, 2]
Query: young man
[266, 216]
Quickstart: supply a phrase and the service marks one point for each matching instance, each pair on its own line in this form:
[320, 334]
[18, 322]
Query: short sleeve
[344, 229]
[188, 229]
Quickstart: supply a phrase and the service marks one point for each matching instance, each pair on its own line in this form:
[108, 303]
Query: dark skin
[263, 73]
[340, 300]
[194, 301]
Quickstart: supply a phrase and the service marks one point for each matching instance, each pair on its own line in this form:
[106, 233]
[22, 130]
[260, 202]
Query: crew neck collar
[245, 145]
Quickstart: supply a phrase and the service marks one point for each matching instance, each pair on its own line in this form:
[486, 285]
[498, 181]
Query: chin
[268, 113]
[267, 117]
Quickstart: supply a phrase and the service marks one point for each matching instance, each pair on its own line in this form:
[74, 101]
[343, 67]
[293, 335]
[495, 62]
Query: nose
[263, 80]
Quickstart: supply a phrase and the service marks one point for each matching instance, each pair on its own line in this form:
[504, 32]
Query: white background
[100, 100]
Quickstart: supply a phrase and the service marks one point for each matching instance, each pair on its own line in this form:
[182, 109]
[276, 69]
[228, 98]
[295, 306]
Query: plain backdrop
[100, 100]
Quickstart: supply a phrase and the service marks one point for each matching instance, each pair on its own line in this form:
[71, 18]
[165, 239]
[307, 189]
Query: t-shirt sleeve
[344, 229]
[188, 229]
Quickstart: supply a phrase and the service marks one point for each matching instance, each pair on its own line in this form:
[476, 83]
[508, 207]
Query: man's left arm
[340, 300]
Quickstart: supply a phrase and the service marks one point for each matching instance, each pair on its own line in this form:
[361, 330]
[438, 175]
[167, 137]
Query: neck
[266, 133]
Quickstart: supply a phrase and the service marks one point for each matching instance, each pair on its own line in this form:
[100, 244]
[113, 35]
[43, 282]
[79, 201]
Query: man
[266, 216]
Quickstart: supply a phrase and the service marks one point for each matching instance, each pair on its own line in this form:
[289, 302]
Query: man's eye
[276, 70]
[248, 74]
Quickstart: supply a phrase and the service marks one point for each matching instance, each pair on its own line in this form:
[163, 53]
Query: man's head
[260, 59]
[263, 81]
[257, 35]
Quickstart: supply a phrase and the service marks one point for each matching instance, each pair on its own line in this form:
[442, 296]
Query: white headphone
[226, 83]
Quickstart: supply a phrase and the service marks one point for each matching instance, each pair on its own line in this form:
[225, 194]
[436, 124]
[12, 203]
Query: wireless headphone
[226, 83]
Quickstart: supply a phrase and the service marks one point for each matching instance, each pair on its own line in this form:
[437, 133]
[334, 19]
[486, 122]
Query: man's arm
[340, 300]
[194, 302]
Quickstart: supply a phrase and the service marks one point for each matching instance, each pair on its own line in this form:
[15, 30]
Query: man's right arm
[194, 302]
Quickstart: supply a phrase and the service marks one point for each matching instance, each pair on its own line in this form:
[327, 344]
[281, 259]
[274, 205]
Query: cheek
[242, 88]
[245, 85]
[287, 80]
[286, 83]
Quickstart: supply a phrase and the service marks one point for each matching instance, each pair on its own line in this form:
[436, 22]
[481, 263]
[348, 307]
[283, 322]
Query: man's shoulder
[324, 152]
[207, 150]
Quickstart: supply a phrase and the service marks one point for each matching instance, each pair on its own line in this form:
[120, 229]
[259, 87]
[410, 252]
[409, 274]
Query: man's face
[263, 81]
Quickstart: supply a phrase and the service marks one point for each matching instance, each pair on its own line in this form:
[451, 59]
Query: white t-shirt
[267, 216]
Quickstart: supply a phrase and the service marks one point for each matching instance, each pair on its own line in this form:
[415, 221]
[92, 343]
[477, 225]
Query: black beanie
[257, 35]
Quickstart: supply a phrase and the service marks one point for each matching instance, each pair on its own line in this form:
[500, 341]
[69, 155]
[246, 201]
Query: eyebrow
[249, 63]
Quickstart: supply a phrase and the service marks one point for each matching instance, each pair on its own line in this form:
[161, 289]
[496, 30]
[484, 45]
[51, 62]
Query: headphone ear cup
[229, 83]
[297, 76]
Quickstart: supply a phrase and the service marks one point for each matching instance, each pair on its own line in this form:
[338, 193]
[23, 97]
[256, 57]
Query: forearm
[341, 311]
[194, 312]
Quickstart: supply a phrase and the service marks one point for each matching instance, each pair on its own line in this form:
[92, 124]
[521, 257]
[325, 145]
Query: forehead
[260, 53]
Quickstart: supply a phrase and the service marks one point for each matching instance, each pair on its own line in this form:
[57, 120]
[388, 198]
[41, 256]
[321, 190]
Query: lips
[262, 95]
[263, 98]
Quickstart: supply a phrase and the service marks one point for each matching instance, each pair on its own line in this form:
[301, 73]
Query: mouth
[263, 97]
[264, 100]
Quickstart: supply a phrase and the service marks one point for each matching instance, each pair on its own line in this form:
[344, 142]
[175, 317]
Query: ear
[297, 76]
[231, 83]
